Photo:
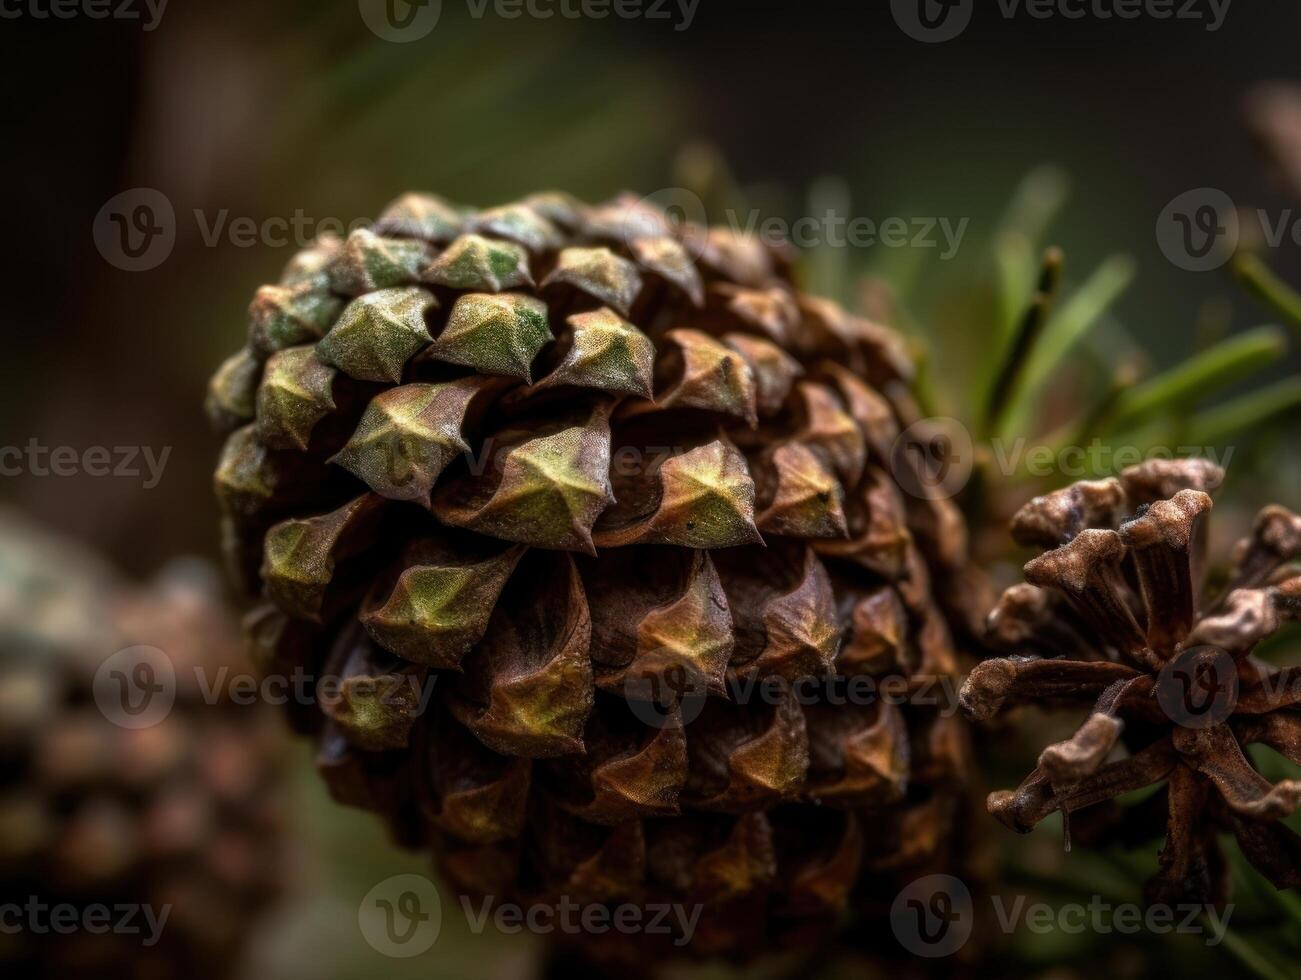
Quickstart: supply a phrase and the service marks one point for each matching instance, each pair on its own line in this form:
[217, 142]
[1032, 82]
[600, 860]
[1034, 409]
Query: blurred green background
[258, 111]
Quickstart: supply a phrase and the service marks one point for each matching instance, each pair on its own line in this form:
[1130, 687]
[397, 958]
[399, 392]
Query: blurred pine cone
[598, 473]
[1273, 112]
[179, 816]
[1116, 616]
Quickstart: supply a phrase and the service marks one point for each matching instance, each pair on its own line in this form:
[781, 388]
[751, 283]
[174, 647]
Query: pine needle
[1261, 282]
[1247, 414]
[1027, 337]
[1201, 376]
[1064, 330]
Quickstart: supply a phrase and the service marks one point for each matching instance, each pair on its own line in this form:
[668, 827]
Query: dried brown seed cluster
[570, 462]
[181, 815]
[1115, 616]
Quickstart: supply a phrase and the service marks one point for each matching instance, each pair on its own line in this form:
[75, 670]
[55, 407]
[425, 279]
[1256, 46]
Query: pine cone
[181, 817]
[573, 461]
[1114, 615]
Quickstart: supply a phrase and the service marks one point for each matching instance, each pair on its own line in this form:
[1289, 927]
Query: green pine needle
[1245, 415]
[1201, 376]
[1250, 957]
[1024, 340]
[1261, 282]
[1014, 270]
[1036, 202]
[1066, 328]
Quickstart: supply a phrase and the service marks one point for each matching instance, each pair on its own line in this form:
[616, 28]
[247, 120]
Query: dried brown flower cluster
[577, 464]
[1114, 615]
[174, 827]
